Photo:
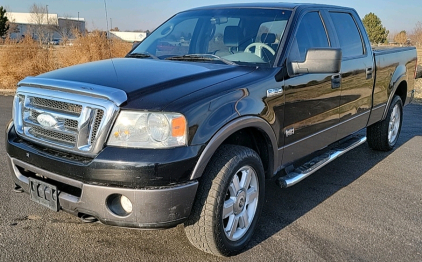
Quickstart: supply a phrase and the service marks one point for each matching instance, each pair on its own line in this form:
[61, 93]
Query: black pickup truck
[186, 127]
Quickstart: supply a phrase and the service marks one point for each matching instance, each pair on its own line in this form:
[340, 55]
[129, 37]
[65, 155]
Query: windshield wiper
[142, 55]
[200, 57]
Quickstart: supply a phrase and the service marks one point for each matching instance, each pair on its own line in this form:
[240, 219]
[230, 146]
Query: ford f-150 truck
[188, 133]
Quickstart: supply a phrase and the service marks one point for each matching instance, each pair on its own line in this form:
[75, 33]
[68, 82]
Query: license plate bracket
[43, 193]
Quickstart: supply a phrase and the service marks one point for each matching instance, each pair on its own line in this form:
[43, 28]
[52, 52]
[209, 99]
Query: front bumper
[152, 208]
[113, 166]
[155, 181]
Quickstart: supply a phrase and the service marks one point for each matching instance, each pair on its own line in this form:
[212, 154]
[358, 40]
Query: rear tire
[383, 135]
[228, 202]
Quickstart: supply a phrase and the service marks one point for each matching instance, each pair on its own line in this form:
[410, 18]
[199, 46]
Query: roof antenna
[108, 38]
[107, 32]
[105, 8]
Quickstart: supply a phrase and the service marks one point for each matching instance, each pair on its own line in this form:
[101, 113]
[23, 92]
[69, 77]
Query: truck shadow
[285, 206]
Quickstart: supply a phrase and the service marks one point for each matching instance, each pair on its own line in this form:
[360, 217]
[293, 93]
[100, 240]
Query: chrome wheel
[229, 201]
[383, 135]
[394, 124]
[240, 203]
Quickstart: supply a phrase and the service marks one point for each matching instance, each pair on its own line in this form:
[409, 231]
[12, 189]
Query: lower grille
[52, 135]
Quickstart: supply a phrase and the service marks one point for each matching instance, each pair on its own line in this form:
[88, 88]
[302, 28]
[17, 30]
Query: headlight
[148, 130]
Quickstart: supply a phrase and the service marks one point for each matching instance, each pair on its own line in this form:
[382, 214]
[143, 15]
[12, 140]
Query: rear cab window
[349, 37]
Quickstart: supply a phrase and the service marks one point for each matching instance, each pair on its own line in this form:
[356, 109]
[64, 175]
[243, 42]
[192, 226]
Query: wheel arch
[235, 132]
[398, 86]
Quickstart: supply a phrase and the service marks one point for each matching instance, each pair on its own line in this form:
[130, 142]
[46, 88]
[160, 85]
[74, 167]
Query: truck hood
[149, 84]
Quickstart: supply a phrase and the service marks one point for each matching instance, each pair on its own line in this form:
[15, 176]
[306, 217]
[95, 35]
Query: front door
[312, 102]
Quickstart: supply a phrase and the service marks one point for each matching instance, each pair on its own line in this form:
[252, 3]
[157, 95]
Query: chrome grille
[56, 105]
[98, 117]
[70, 122]
[34, 115]
[52, 135]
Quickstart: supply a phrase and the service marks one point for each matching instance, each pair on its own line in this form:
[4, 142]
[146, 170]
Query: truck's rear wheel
[228, 203]
[384, 134]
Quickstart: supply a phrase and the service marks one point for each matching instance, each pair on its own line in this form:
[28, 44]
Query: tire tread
[377, 134]
[199, 226]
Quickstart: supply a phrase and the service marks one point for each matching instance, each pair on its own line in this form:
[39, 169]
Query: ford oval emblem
[46, 120]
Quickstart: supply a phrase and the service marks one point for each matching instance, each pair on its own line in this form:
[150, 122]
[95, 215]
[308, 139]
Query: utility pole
[48, 27]
[111, 24]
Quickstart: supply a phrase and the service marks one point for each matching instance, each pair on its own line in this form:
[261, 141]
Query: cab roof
[267, 5]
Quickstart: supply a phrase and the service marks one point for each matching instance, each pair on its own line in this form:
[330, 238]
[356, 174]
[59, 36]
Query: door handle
[369, 71]
[335, 81]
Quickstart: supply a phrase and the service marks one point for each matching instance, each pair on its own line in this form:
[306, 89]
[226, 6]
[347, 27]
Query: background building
[129, 36]
[43, 26]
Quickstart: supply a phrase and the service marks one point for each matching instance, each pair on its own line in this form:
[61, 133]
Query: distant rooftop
[129, 36]
[28, 18]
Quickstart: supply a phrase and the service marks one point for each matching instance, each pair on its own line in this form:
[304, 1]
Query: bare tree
[416, 35]
[43, 25]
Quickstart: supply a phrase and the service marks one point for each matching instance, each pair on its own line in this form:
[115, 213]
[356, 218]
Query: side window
[310, 34]
[348, 34]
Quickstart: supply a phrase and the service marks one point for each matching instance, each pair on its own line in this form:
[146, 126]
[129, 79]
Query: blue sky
[148, 14]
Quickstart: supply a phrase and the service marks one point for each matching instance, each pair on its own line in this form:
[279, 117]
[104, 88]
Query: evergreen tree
[376, 32]
[4, 26]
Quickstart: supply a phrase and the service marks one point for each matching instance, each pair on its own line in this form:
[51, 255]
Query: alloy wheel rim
[394, 124]
[240, 204]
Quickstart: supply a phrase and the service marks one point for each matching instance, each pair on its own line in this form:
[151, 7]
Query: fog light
[119, 204]
[126, 204]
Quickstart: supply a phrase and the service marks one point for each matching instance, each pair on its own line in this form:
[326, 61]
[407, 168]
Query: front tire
[228, 203]
[383, 135]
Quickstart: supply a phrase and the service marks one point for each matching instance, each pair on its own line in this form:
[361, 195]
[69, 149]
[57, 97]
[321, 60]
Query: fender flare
[229, 129]
[398, 77]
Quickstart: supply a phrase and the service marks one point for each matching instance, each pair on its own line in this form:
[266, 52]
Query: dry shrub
[92, 47]
[28, 58]
[21, 59]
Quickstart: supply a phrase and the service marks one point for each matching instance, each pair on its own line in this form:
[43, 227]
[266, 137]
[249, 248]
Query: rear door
[357, 72]
[312, 103]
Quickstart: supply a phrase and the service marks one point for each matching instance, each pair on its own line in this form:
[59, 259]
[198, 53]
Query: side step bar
[295, 176]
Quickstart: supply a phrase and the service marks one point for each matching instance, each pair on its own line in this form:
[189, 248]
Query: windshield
[245, 36]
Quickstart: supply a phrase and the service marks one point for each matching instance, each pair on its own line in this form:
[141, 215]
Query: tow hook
[88, 218]
[18, 189]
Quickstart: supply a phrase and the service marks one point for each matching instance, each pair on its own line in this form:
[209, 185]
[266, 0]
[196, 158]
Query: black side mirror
[319, 61]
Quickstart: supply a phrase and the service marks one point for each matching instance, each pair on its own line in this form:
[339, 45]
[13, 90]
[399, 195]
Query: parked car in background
[55, 42]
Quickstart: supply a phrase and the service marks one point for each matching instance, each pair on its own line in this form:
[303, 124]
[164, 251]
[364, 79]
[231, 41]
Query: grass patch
[28, 58]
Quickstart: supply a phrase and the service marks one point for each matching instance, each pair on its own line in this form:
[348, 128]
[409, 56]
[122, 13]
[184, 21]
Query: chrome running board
[298, 174]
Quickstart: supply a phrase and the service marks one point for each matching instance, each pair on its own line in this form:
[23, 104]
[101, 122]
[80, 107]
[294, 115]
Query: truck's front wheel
[228, 203]
[384, 134]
